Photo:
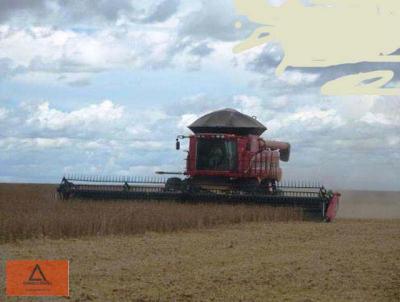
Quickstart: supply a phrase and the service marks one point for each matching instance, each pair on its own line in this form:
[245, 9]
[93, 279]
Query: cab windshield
[216, 154]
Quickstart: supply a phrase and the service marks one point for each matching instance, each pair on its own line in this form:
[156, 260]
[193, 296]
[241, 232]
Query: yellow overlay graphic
[329, 33]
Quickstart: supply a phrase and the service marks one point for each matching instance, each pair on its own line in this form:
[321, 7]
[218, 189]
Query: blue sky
[103, 87]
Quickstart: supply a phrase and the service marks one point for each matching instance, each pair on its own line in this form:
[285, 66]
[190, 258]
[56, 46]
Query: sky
[103, 87]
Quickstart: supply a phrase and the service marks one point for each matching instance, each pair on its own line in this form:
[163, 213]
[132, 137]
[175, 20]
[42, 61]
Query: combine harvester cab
[227, 161]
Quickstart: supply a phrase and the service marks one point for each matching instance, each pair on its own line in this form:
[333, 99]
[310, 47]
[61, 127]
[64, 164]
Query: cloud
[102, 137]
[208, 22]
[314, 118]
[378, 118]
[62, 52]
[162, 12]
[79, 83]
[201, 50]
[8, 8]
[89, 117]
[328, 137]
[385, 111]
[37, 143]
[7, 68]
[265, 60]
[185, 120]
[297, 78]
[91, 37]
[107, 138]
[96, 10]
[301, 125]
[86, 12]
[251, 105]
[3, 113]
[49, 126]
[280, 102]
[101, 123]
[56, 51]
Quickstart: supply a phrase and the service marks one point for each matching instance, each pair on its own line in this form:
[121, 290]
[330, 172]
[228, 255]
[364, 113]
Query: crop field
[132, 251]
[32, 211]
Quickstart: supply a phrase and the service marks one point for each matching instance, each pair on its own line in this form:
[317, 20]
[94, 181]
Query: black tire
[268, 186]
[250, 185]
[173, 184]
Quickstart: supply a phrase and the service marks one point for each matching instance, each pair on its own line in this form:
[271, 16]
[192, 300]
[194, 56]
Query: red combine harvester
[227, 161]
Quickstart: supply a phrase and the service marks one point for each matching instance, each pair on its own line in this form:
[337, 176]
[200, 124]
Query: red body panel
[332, 207]
[254, 158]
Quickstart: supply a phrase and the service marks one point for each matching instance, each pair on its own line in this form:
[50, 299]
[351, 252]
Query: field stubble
[288, 260]
[350, 260]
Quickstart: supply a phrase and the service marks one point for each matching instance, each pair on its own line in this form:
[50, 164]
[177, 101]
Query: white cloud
[99, 127]
[207, 21]
[96, 115]
[43, 42]
[107, 138]
[315, 114]
[185, 120]
[379, 118]
[251, 105]
[148, 145]
[66, 51]
[10, 143]
[296, 77]
[60, 44]
[3, 113]
[353, 107]
[62, 13]
[280, 102]
[77, 54]
[394, 141]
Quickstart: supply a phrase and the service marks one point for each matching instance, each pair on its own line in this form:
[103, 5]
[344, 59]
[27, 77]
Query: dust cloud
[369, 204]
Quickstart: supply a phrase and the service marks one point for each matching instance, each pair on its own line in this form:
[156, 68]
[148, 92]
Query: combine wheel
[268, 186]
[173, 184]
[64, 189]
[250, 185]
